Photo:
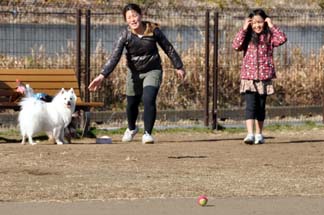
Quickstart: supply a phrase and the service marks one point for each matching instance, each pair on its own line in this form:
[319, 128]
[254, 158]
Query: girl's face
[257, 24]
[133, 19]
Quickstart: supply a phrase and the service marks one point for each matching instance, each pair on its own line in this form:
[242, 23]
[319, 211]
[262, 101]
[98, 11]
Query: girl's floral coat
[258, 60]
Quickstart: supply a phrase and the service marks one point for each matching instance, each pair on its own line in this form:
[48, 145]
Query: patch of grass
[94, 132]
[101, 132]
[191, 129]
[9, 132]
[311, 124]
[234, 130]
[298, 127]
[307, 125]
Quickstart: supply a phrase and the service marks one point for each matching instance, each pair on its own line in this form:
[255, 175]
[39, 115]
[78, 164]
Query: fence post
[207, 69]
[322, 94]
[78, 46]
[215, 72]
[87, 56]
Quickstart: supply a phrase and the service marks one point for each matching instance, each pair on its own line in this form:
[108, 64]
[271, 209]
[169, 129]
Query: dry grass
[189, 3]
[300, 82]
[299, 79]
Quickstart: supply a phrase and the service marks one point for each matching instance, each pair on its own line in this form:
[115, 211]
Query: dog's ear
[62, 91]
[73, 94]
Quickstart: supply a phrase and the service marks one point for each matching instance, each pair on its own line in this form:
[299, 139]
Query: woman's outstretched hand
[181, 73]
[96, 83]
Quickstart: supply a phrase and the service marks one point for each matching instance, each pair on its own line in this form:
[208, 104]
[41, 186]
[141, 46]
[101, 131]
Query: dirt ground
[179, 165]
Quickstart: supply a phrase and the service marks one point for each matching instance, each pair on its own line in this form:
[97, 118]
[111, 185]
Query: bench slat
[37, 71]
[6, 92]
[41, 85]
[47, 91]
[37, 78]
[49, 81]
[78, 103]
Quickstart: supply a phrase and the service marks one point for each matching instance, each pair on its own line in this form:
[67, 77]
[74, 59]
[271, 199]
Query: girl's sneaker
[147, 138]
[249, 139]
[258, 139]
[129, 135]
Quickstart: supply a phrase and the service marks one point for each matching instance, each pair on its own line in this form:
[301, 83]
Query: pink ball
[202, 200]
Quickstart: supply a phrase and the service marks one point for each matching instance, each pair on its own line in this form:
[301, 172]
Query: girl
[144, 75]
[257, 39]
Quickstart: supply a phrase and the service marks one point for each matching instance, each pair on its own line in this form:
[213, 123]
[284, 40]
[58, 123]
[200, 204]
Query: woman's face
[133, 19]
[257, 24]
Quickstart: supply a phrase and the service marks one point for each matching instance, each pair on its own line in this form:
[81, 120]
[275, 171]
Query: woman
[144, 75]
[257, 39]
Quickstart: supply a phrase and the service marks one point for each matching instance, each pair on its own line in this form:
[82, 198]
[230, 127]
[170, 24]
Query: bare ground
[179, 165]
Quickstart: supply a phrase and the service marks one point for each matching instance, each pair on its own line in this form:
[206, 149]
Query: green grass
[308, 125]
[284, 127]
[9, 132]
[99, 132]
[274, 128]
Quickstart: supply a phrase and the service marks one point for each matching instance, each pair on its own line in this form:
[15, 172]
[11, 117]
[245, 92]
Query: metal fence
[37, 39]
[299, 66]
[49, 39]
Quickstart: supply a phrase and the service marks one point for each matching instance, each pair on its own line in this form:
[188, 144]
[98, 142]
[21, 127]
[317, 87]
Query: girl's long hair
[253, 37]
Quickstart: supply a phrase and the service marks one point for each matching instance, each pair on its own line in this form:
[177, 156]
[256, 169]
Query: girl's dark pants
[255, 106]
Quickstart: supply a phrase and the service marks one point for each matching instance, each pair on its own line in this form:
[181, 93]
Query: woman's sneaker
[258, 139]
[129, 135]
[147, 138]
[249, 139]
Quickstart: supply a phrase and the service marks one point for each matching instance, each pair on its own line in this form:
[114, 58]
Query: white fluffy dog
[52, 117]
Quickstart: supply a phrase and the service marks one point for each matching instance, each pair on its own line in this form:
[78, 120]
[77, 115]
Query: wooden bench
[48, 81]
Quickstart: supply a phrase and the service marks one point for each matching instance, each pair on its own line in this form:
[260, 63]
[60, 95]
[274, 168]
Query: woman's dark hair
[131, 7]
[251, 35]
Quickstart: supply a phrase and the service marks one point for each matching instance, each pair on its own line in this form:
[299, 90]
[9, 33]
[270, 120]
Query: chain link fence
[48, 39]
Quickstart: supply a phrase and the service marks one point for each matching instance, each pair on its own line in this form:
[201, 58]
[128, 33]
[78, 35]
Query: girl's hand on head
[247, 23]
[269, 21]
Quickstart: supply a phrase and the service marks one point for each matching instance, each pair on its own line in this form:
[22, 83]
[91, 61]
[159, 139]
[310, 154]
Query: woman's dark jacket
[142, 53]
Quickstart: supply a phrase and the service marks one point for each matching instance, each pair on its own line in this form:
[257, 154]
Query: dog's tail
[29, 99]
[29, 102]
[29, 91]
